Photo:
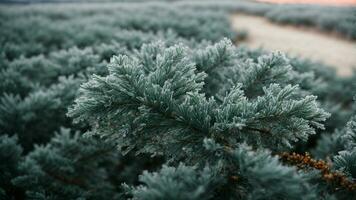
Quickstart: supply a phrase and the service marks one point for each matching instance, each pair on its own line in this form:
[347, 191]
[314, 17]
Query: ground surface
[329, 49]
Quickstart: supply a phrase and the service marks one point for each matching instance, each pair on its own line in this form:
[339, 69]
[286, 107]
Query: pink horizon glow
[324, 2]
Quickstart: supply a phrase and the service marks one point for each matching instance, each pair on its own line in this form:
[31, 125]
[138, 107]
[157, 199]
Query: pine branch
[264, 131]
[95, 155]
[71, 181]
[329, 176]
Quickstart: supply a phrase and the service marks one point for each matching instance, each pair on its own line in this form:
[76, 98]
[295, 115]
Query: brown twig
[304, 161]
[71, 181]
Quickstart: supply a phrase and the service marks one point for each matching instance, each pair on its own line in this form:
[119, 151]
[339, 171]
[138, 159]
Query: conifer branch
[71, 181]
[305, 161]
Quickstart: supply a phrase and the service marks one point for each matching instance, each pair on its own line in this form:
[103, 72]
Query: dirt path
[310, 44]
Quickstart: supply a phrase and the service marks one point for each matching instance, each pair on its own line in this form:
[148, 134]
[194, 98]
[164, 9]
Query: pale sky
[333, 2]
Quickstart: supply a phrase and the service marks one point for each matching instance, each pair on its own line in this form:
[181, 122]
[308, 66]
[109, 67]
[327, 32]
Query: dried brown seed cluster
[304, 161]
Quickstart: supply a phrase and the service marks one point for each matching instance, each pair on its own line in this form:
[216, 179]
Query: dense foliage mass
[173, 111]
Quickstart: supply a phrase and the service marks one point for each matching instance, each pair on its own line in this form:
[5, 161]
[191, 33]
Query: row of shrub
[335, 19]
[339, 20]
[48, 51]
[54, 30]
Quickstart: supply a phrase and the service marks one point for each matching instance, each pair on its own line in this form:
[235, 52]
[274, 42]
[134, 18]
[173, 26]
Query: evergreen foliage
[82, 28]
[10, 155]
[162, 90]
[67, 167]
[341, 148]
[176, 183]
[154, 102]
[164, 108]
[40, 113]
